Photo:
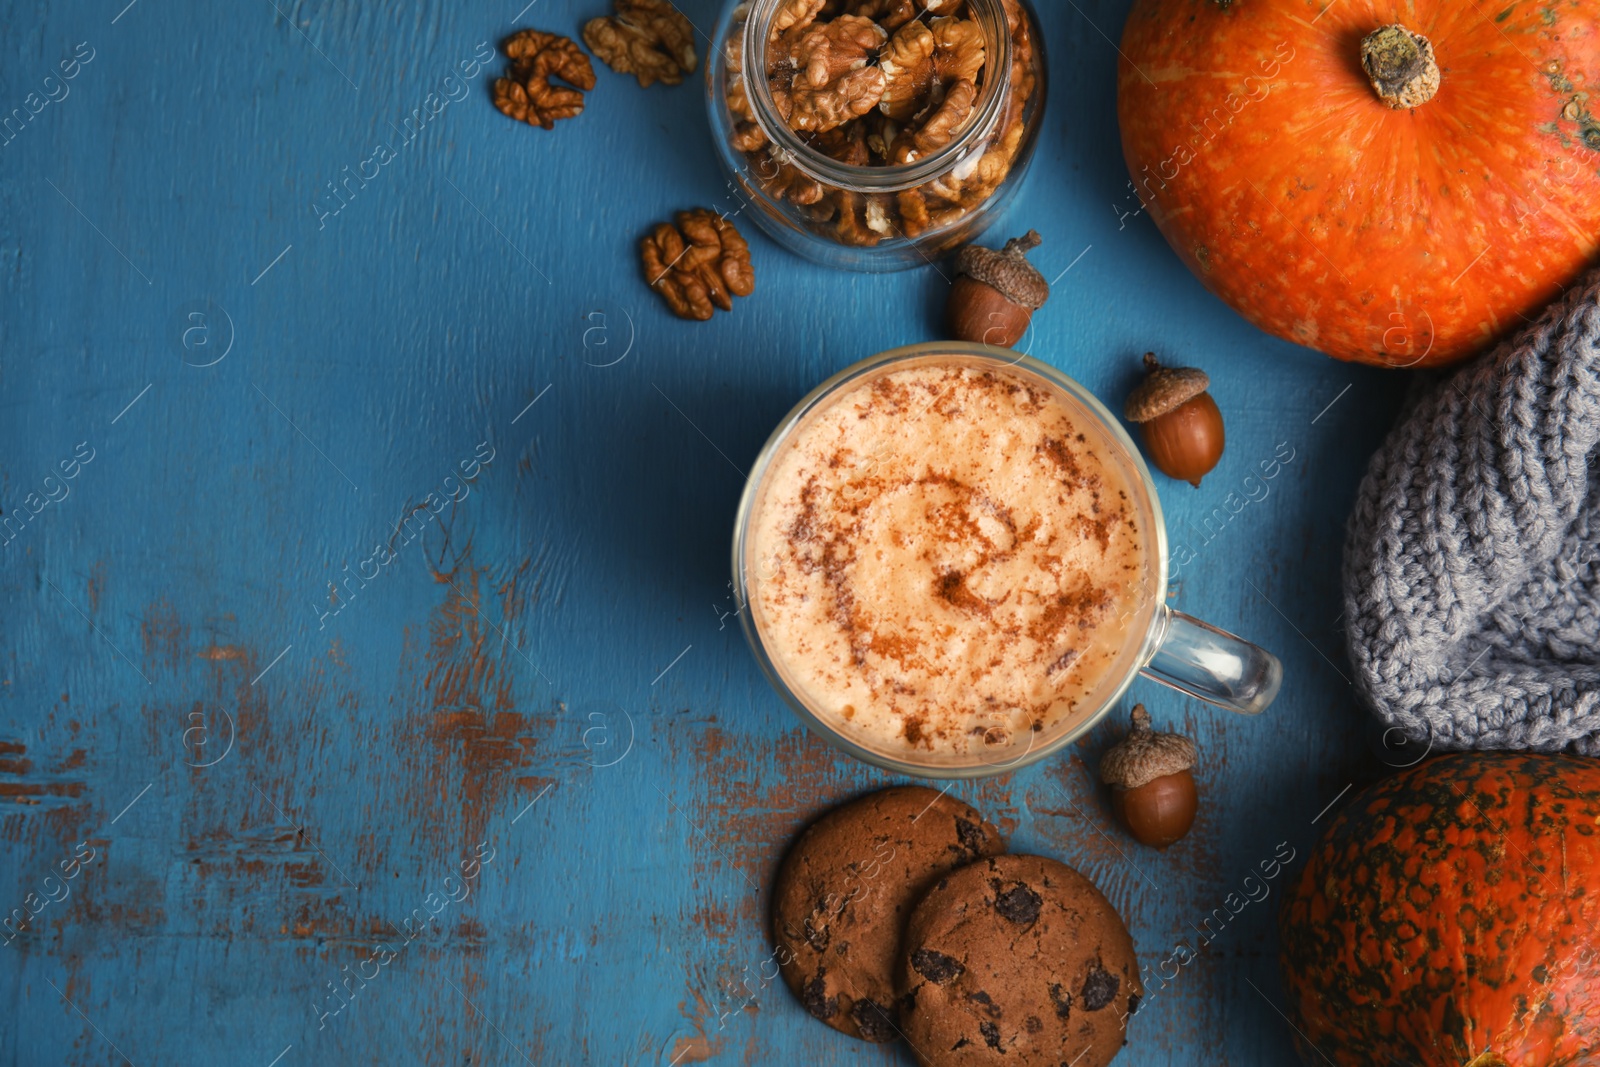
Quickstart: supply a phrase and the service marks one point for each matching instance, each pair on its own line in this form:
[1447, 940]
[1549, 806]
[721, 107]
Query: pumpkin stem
[1400, 65]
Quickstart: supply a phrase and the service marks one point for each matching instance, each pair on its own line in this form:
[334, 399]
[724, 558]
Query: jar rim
[886, 179]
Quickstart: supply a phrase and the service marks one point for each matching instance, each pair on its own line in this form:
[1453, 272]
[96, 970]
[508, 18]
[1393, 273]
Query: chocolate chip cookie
[1020, 961]
[845, 890]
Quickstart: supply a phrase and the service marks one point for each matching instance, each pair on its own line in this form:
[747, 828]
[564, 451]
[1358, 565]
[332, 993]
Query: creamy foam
[942, 560]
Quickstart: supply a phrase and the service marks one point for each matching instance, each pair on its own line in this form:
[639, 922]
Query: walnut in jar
[943, 91]
[833, 81]
[907, 66]
[792, 13]
[650, 39]
[937, 125]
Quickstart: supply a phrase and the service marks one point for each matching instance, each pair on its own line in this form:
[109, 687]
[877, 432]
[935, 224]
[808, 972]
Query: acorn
[1180, 423]
[1152, 792]
[995, 293]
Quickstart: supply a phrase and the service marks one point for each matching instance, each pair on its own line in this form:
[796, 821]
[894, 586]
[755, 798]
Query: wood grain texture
[275, 792]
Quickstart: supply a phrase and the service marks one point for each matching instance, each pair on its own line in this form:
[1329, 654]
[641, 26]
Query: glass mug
[1148, 638]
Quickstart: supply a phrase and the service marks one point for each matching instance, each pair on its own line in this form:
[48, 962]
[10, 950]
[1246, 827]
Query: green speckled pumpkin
[1448, 919]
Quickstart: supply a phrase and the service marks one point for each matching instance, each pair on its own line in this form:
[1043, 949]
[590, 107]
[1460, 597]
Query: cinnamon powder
[942, 558]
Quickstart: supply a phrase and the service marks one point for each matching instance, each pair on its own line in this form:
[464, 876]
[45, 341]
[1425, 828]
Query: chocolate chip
[1062, 1000]
[1100, 988]
[991, 1035]
[873, 1020]
[1019, 904]
[815, 997]
[971, 837]
[961, 1042]
[936, 967]
[1133, 1004]
[817, 939]
[987, 1001]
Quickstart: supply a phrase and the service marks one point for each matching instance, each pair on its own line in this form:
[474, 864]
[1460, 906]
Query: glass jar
[875, 134]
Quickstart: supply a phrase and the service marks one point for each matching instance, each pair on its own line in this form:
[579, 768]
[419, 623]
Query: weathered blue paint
[269, 781]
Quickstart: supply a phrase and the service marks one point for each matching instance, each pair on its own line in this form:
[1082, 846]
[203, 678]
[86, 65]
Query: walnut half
[650, 39]
[795, 13]
[958, 52]
[907, 66]
[700, 264]
[936, 126]
[833, 83]
[526, 93]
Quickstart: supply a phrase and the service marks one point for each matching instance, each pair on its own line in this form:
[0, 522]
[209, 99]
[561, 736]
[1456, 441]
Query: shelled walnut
[936, 125]
[833, 83]
[882, 83]
[526, 93]
[792, 13]
[700, 264]
[958, 49]
[650, 39]
[890, 14]
[907, 66]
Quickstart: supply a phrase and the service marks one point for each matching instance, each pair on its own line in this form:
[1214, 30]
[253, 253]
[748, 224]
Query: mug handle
[1211, 664]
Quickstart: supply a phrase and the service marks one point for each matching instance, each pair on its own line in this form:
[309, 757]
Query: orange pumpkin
[1448, 919]
[1303, 170]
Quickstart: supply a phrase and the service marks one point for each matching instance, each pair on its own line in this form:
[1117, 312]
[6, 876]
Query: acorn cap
[1164, 389]
[1007, 270]
[1144, 755]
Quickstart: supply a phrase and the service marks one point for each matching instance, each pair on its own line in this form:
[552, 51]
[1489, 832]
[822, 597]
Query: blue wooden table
[370, 690]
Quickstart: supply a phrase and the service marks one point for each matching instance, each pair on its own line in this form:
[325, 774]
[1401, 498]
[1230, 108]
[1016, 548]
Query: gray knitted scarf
[1472, 560]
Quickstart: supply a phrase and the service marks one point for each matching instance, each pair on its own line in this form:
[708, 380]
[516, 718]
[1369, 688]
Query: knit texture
[1472, 559]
